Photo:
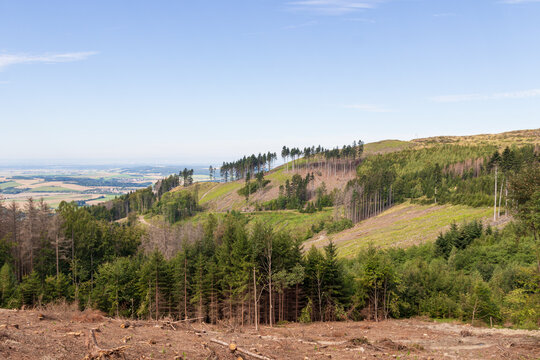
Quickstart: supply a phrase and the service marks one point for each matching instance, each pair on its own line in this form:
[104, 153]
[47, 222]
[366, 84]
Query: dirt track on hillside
[63, 335]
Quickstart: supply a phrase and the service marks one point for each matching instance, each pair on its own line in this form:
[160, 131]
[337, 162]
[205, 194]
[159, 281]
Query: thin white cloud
[514, 2]
[298, 26]
[368, 108]
[523, 94]
[363, 20]
[333, 7]
[14, 59]
[444, 15]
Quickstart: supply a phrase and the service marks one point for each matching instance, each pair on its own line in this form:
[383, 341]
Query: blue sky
[202, 81]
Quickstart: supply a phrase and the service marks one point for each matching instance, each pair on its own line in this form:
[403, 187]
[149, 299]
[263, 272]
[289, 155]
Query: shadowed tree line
[331, 161]
[248, 165]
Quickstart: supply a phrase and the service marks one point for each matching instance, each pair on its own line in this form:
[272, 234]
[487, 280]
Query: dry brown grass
[502, 140]
[62, 309]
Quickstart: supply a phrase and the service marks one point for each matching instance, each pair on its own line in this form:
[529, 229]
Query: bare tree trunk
[242, 313]
[474, 310]
[495, 202]
[212, 304]
[319, 280]
[56, 248]
[500, 198]
[296, 304]
[376, 304]
[185, 287]
[157, 298]
[506, 199]
[255, 308]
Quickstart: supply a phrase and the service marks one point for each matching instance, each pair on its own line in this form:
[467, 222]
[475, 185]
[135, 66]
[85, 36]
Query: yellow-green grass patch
[402, 226]
[8, 184]
[52, 189]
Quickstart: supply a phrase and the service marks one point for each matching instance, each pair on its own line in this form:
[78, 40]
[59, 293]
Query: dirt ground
[48, 335]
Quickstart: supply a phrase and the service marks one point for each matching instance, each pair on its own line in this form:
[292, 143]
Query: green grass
[295, 222]
[386, 146]
[279, 175]
[8, 184]
[292, 221]
[105, 198]
[53, 189]
[221, 189]
[410, 227]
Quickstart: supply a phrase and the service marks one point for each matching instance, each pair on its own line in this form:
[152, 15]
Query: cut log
[188, 320]
[240, 350]
[97, 353]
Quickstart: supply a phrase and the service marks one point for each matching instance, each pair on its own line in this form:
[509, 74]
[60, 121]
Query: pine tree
[154, 286]
[8, 286]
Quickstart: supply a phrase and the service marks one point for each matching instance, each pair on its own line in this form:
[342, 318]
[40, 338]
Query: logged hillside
[403, 225]
[449, 179]
[444, 150]
[222, 197]
[400, 193]
[411, 224]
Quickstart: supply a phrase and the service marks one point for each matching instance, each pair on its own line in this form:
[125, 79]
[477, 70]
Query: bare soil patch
[51, 334]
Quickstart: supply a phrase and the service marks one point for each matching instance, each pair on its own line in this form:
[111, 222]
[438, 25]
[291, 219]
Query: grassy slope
[297, 223]
[217, 190]
[501, 140]
[386, 146]
[223, 196]
[403, 225]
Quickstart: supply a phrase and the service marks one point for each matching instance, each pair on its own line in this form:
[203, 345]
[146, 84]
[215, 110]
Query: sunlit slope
[401, 226]
[510, 138]
[294, 222]
[224, 196]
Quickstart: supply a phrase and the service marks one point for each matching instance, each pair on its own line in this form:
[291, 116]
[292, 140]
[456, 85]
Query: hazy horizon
[205, 82]
[164, 162]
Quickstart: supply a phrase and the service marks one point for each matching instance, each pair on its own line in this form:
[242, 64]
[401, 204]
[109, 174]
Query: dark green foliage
[116, 287]
[239, 169]
[325, 284]
[323, 199]
[176, 206]
[338, 225]
[219, 270]
[140, 201]
[253, 187]
[154, 284]
[31, 289]
[377, 283]
[293, 195]
[456, 237]
[453, 174]
[166, 184]
[8, 287]
[187, 176]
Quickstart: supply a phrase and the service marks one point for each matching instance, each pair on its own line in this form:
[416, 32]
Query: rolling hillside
[405, 224]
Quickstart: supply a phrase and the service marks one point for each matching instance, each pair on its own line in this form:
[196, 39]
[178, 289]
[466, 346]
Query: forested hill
[341, 187]
[418, 230]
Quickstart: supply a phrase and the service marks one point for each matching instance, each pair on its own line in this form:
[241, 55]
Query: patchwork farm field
[86, 186]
